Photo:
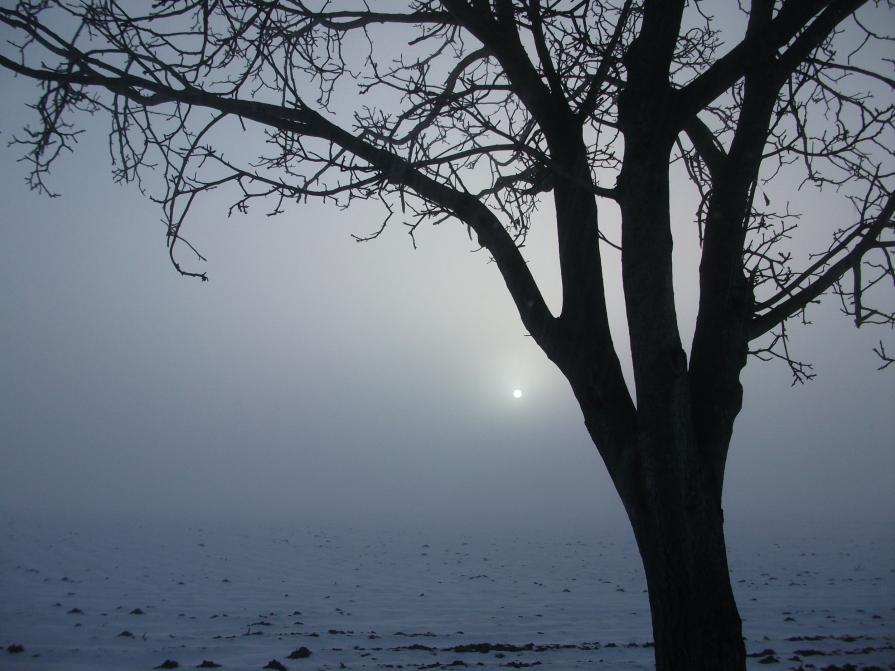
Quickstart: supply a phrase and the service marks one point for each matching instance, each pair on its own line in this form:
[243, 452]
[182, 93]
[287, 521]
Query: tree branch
[600, 77]
[706, 144]
[789, 22]
[799, 298]
[546, 60]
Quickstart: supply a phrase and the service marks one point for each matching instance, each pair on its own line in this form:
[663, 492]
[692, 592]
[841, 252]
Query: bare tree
[477, 111]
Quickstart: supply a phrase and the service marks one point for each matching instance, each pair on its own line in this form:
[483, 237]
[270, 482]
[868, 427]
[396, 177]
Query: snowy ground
[134, 598]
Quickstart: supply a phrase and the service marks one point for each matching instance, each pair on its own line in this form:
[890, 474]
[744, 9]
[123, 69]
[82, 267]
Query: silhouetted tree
[477, 111]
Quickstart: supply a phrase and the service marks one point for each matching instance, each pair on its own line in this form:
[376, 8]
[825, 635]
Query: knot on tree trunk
[677, 360]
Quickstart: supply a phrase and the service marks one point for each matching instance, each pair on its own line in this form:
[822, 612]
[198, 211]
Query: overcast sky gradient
[314, 378]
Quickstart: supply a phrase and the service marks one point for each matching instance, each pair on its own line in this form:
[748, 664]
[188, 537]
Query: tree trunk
[672, 495]
[675, 510]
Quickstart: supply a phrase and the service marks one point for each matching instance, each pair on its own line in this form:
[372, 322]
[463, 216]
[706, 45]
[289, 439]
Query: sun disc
[517, 393]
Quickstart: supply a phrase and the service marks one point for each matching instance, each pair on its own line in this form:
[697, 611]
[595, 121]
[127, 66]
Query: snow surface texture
[137, 598]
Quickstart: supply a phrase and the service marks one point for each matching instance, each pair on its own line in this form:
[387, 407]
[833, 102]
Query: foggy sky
[314, 378]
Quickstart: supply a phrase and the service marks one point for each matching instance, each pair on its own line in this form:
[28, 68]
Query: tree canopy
[464, 110]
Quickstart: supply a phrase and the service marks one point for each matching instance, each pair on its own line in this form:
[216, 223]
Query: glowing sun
[517, 393]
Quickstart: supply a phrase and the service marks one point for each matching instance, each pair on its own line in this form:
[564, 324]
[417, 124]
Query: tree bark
[673, 500]
[678, 524]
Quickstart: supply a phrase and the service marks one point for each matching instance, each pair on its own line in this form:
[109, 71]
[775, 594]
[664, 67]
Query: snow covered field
[144, 597]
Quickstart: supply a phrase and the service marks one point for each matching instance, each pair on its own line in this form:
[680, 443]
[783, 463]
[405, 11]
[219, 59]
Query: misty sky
[314, 378]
